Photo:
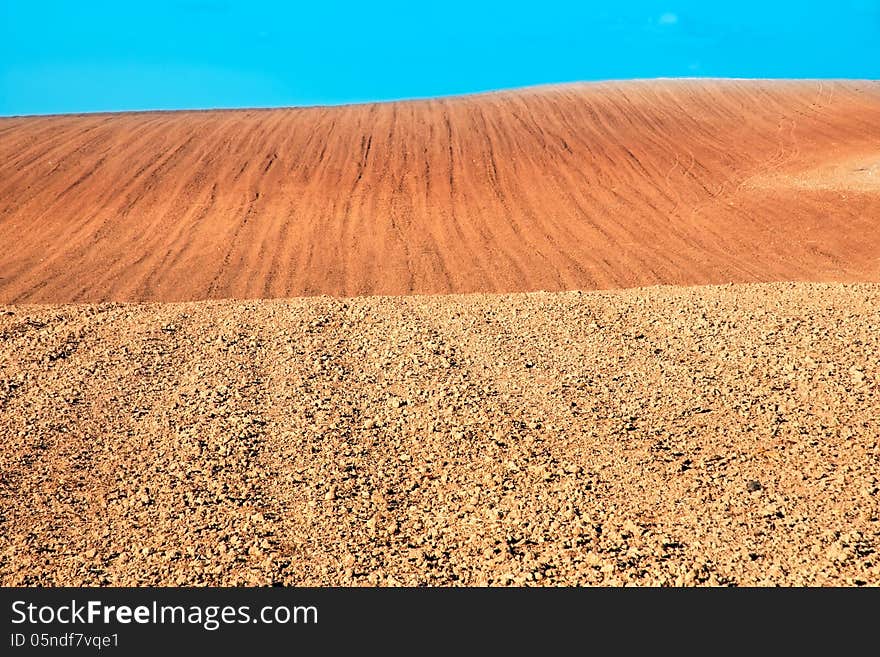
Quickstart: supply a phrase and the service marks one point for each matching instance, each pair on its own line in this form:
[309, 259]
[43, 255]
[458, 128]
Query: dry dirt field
[576, 187]
[198, 387]
[706, 435]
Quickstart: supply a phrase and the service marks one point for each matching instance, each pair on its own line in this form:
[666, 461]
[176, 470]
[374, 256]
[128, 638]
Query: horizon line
[451, 96]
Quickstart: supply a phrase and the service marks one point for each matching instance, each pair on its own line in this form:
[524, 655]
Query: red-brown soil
[707, 435]
[661, 435]
[569, 187]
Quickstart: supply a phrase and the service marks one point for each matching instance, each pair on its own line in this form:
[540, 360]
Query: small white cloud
[668, 19]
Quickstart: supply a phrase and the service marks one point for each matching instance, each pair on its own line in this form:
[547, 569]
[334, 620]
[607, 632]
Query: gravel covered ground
[682, 436]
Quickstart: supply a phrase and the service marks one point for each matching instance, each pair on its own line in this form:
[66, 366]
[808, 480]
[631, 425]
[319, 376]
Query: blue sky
[69, 56]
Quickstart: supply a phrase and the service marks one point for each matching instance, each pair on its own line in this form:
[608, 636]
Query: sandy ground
[710, 435]
[590, 186]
